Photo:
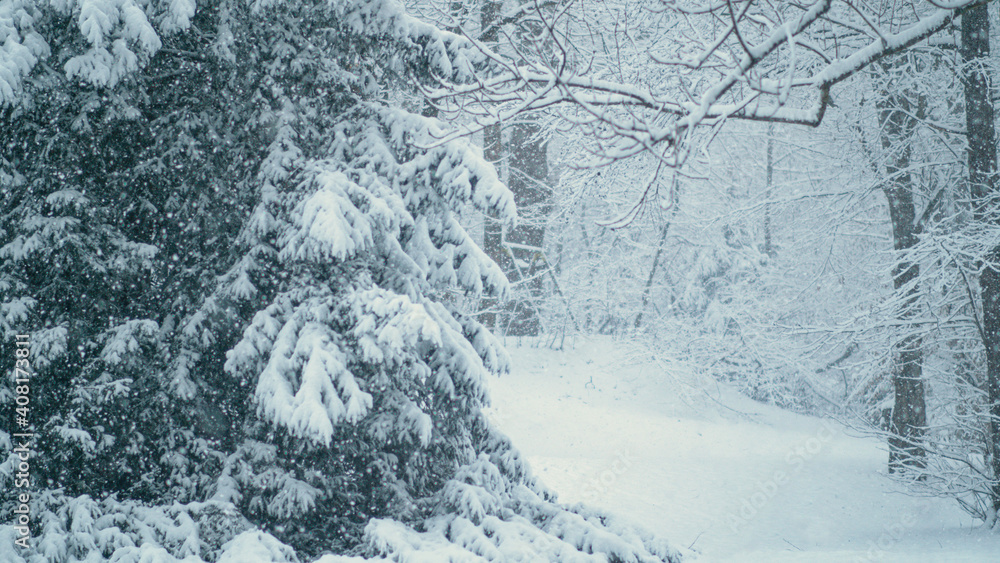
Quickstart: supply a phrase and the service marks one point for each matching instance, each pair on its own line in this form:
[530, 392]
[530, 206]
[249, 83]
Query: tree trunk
[909, 415]
[674, 202]
[519, 251]
[769, 193]
[982, 156]
[493, 152]
[529, 172]
[652, 274]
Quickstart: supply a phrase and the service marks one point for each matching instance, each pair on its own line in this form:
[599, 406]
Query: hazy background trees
[841, 269]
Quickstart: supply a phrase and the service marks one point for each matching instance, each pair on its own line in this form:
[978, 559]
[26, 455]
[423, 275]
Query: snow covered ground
[706, 467]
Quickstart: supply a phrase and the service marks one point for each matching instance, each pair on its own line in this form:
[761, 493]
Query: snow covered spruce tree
[237, 257]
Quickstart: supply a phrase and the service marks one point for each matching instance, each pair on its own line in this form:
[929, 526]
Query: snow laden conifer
[238, 256]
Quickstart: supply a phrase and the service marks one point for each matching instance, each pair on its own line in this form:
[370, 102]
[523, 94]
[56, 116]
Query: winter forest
[499, 280]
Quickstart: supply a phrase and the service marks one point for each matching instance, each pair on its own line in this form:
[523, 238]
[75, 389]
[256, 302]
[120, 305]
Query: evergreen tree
[235, 252]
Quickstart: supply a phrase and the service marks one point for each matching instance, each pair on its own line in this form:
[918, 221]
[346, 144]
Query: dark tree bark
[652, 274]
[674, 202]
[493, 229]
[909, 415]
[529, 173]
[518, 252]
[982, 155]
[493, 152]
[768, 193]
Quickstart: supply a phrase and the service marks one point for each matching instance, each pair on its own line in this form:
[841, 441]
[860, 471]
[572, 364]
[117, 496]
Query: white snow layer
[700, 465]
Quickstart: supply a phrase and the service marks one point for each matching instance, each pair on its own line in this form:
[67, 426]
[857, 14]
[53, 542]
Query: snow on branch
[681, 70]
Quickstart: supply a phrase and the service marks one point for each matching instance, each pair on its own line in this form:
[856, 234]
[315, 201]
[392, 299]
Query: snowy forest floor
[704, 466]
